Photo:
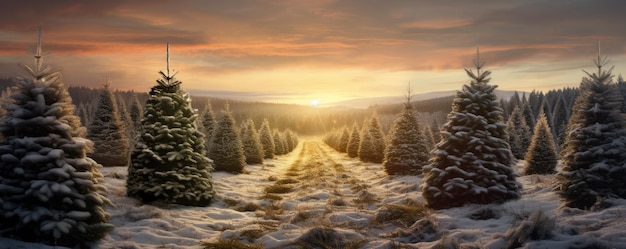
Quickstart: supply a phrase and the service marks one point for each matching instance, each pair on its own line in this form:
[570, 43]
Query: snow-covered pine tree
[372, 146]
[267, 140]
[108, 132]
[280, 146]
[519, 133]
[291, 140]
[253, 150]
[50, 191]
[354, 141]
[168, 162]
[472, 163]
[209, 123]
[541, 157]
[594, 162]
[407, 151]
[226, 147]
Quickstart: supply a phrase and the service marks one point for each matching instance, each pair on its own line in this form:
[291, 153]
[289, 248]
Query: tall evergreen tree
[168, 163]
[594, 162]
[51, 192]
[407, 151]
[108, 132]
[226, 148]
[541, 157]
[519, 133]
[472, 163]
[372, 146]
[253, 150]
[354, 141]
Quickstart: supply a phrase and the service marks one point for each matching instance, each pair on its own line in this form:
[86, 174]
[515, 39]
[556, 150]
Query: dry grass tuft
[228, 244]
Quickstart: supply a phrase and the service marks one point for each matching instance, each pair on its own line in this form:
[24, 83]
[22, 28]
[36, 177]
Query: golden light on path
[315, 102]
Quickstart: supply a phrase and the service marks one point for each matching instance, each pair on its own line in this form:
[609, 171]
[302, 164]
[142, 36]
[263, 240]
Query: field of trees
[469, 150]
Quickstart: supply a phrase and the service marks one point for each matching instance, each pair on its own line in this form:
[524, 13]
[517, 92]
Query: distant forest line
[309, 120]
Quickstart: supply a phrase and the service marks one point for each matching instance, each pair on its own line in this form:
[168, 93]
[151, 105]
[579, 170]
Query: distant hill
[388, 100]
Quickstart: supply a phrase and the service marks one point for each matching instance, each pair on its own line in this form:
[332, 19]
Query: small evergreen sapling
[168, 163]
[519, 133]
[50, 191]
[541, 157]
[226, 147]
[407, 151]
[252, 147]
[472, 163]
[372, 145]
[354, 141]
[267, 141]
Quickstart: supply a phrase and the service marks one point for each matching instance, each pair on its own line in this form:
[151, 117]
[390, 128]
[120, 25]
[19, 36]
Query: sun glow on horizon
[315, 102]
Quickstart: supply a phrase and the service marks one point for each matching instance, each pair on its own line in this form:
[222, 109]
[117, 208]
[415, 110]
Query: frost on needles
[472, 163]
[50, 191]
[168, 163]
[594, 162]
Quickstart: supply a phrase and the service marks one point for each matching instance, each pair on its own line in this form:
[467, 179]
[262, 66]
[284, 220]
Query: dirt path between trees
[323, 203]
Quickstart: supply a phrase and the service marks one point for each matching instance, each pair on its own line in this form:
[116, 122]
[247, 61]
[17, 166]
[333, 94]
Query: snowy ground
[315, 195]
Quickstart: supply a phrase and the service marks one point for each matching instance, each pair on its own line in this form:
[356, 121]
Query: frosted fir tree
[594, 162]
[354, 141]
[541, 157]
[407, 151]
[209, 123]
[226, 147]
[108, 132]
[168, 162]
[253, 150]
[267, 140]
[372, 145]
[344, 139]
[291, 140]
[50, 191]
[280, 146]
[519, 133]
[472, 163]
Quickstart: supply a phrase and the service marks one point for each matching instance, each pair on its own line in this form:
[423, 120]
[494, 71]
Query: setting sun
[315, 102]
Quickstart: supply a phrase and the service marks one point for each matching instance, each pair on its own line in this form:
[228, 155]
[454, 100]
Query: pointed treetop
[600, 62]
[479, 77]
[39, 72]
[168, 76]
[477, 62]
[408, 95]
[167, 52]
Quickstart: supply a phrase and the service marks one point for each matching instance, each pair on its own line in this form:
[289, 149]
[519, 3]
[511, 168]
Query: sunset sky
[329, 50]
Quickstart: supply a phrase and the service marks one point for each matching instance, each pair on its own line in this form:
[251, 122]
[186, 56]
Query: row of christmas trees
[473, 161]
[51, 189]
